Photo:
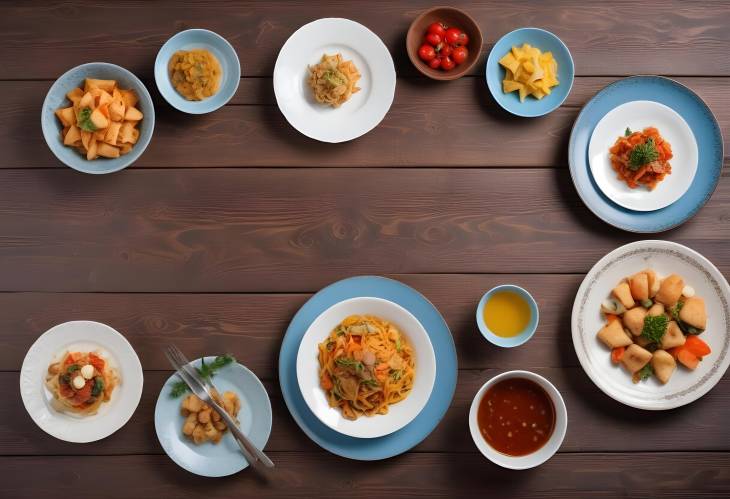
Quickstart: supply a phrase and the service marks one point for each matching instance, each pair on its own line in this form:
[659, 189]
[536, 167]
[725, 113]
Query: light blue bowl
[519, 339]
[220, 48]
[223, 458]
[546, 42]
[56, 98]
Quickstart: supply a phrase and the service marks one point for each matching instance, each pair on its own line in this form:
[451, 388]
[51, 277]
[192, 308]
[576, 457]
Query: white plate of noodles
[366, 79]
[366, 367]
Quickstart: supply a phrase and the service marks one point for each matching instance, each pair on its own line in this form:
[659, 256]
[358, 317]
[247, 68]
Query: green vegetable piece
[73, 368]
[654, 327]
[345, 362]
[371, 383]
[398, 345]
[642, 154]
[84, 120]
[627, 132]
[646, 303]
[396, 374]
[645, 372]
[98, 387]
[674, 311]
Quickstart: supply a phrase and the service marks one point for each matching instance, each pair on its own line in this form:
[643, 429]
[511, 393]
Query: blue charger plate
[699, 118]
[369, 449]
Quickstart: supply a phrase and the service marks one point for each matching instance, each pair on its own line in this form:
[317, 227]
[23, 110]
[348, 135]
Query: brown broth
[516, 416]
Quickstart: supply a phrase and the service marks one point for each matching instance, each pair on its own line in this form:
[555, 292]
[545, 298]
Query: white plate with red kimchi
[81, 381]
[643, 155]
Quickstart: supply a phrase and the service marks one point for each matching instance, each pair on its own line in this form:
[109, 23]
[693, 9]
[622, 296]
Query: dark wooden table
[230, 221]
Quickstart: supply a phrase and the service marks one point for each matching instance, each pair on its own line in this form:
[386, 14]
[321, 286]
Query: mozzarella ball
[87, 371]
[79, 382]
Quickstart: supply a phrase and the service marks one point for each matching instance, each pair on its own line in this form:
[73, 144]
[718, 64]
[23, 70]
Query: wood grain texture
[596, 422]
[299, 229]
[677, 37]
[252, 326]
[430, 124]
[318, 475]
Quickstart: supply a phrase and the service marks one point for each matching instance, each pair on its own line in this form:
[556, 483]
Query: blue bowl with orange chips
[546, 42]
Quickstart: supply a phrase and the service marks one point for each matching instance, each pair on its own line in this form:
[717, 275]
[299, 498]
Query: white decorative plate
[665, 258]
[81, 336]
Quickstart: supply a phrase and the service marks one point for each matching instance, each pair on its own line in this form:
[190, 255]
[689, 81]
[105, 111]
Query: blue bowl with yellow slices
[545, 41]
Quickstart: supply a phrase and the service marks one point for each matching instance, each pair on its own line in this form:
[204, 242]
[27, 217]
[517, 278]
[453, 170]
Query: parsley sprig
[654, 327]
[207, 371]
[642, 154]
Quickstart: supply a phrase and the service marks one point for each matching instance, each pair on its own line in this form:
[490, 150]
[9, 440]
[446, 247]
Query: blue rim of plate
[701, 121]
[369, 449]
[229, 459]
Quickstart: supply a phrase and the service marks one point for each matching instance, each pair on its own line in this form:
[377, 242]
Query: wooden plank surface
[297, 230]
[616, 38]
[596, 421]
[320, 475]
[230, 221]
[456, 125]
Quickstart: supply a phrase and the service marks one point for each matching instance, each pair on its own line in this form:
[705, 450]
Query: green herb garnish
[84, 120]
[654, 327]
[371, 383]
[627, 132]
[345, 362]
[642, 154]
[398, 345]
[676, 308]
[98, 387]
[207, 371]
[645, 372]
[72, 368]
[396, 374]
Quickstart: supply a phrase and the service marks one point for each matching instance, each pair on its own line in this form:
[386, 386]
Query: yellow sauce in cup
[195, 74]
[507, 314]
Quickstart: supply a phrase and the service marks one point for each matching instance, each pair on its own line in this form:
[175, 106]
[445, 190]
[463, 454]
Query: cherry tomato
[437, 29]
[459, 54]
[433, 39]
[454, 36]
[426, 52]
[445, 50]
[447, 63]
[435, 63]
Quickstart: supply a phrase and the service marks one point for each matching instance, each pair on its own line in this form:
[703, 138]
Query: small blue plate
[220, 48]
[56, 98]
[369, 449]
[223, 458]
[701, 121]
[512, 341]
[546, 42]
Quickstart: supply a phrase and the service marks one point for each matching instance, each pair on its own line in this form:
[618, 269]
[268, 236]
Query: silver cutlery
[202, 388]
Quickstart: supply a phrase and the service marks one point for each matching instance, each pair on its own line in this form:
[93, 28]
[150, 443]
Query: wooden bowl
[451, 17]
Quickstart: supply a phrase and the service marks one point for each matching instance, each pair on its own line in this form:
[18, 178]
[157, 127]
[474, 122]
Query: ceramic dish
[225, 457]
[220, 48]
[636, 116]
[693, 111]
[364, 110]
[56, 98]
[452, 18]
[543, 453]
[665, 258]
[444, 384]
[399, 414]
[81, 336]
[513, 341]
[546, 42]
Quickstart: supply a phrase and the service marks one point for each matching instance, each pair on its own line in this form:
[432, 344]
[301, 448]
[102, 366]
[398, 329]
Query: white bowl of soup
[518, 420]
[366, 367]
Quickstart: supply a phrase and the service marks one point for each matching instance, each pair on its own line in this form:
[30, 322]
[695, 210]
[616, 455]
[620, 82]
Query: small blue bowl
[519, 339]
[546, 42]
[220, 48]
[56, 98]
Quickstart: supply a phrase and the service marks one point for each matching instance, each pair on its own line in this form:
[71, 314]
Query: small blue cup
[519, 339]
[546, 42]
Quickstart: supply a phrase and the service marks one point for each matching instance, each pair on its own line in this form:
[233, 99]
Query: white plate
[665, 258]
[81, 336]
[638, 115]
[399, 414]
[364, 110]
